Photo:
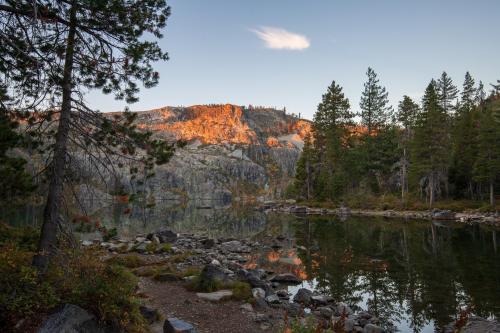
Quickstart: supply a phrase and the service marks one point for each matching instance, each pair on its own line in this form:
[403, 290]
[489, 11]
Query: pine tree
[487, 164]
[407, 115]
[430, 145]
[376, 115]
[447, 93]
[464, 137]
[52, 52]
[480, 93]
[374, 104]
[15, 182]
[332, 123]
[467, 102]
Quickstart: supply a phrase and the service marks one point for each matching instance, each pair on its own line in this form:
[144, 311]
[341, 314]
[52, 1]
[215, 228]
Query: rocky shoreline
[223, 262]
[492, 218]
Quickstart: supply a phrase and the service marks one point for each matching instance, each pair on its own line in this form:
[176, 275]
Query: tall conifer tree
[407, 116]
[430, 145]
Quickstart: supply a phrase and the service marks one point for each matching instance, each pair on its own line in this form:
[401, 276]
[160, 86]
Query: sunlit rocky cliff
[232, 152]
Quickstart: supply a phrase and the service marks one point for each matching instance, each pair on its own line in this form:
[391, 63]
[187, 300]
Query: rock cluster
[223, 262]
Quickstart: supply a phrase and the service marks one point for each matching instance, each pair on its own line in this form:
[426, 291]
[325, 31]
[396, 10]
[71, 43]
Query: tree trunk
[51, 215]
[431, 189]
[403, 177]
[492, 194]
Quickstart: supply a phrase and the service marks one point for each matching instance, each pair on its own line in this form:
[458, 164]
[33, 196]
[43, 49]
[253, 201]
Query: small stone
[273, 299]
[87, 243]
[215, 296]
[258, 293]
[174, 325]
[215, 262]
[246, 307]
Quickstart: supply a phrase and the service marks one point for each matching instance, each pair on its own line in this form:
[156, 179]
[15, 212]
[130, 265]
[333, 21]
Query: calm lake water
[415, 274]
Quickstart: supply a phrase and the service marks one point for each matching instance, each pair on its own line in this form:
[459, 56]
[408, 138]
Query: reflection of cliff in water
[211, 218]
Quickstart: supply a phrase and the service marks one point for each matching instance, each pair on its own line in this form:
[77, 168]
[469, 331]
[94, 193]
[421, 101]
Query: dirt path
[173, 300]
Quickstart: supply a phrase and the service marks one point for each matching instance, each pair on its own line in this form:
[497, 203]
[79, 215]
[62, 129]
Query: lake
[415, 274]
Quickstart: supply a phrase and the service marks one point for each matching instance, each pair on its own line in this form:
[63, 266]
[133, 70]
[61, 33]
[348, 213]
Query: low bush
[80, 277]
[129, 261]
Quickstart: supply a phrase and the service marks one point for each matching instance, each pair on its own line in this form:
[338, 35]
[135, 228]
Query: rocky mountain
[232, 152]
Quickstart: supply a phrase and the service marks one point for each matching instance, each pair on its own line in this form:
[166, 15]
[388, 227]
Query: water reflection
[211, 218]
[415, 274]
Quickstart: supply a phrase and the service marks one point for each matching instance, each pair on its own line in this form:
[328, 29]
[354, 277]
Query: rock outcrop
[231, 153]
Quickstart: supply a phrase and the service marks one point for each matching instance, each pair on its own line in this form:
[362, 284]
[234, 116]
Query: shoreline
[488, 218]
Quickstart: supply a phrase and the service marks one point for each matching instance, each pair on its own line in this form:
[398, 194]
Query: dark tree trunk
[51, 215]
[492, 194]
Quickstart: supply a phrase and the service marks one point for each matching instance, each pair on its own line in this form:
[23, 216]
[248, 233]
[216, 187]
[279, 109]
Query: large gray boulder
[73, 319]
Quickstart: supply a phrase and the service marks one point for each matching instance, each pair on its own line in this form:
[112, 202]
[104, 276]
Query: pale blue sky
[218, 54]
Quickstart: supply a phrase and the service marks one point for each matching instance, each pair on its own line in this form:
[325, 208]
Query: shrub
[129, 261]
[242, 291]
[21, 294]
[25, 238]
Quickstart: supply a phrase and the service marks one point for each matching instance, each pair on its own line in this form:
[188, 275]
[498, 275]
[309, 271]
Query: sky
[285, 53]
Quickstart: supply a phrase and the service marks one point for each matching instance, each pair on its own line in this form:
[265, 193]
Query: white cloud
[280, 39]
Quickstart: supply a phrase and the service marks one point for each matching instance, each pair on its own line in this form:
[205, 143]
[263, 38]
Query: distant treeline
[447, 146]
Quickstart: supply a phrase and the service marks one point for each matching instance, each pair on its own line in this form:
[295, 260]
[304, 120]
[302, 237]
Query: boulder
[273, 299]
[287, 278]
[321, 299]
[258, 293]
[174, 325]
[216, 296]
[325, 312]
[165, 236]
[208, 243]
[74, 319]
[303, 296]
[211, 275]
[343, 308]
[443, 215]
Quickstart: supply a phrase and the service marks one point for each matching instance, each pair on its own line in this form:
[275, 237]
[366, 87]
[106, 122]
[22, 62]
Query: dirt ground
[171, 299]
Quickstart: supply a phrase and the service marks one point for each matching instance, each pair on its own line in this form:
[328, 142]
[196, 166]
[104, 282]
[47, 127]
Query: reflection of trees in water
[418, 270]
[195, 217]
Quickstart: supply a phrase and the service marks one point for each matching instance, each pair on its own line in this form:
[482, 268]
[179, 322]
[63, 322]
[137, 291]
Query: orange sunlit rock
[211, 124]
[273, 256]
[272, 142]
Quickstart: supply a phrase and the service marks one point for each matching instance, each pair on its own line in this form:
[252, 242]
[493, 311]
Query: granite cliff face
[232, 152]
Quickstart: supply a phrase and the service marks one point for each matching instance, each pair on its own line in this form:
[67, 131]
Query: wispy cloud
[280, 39]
